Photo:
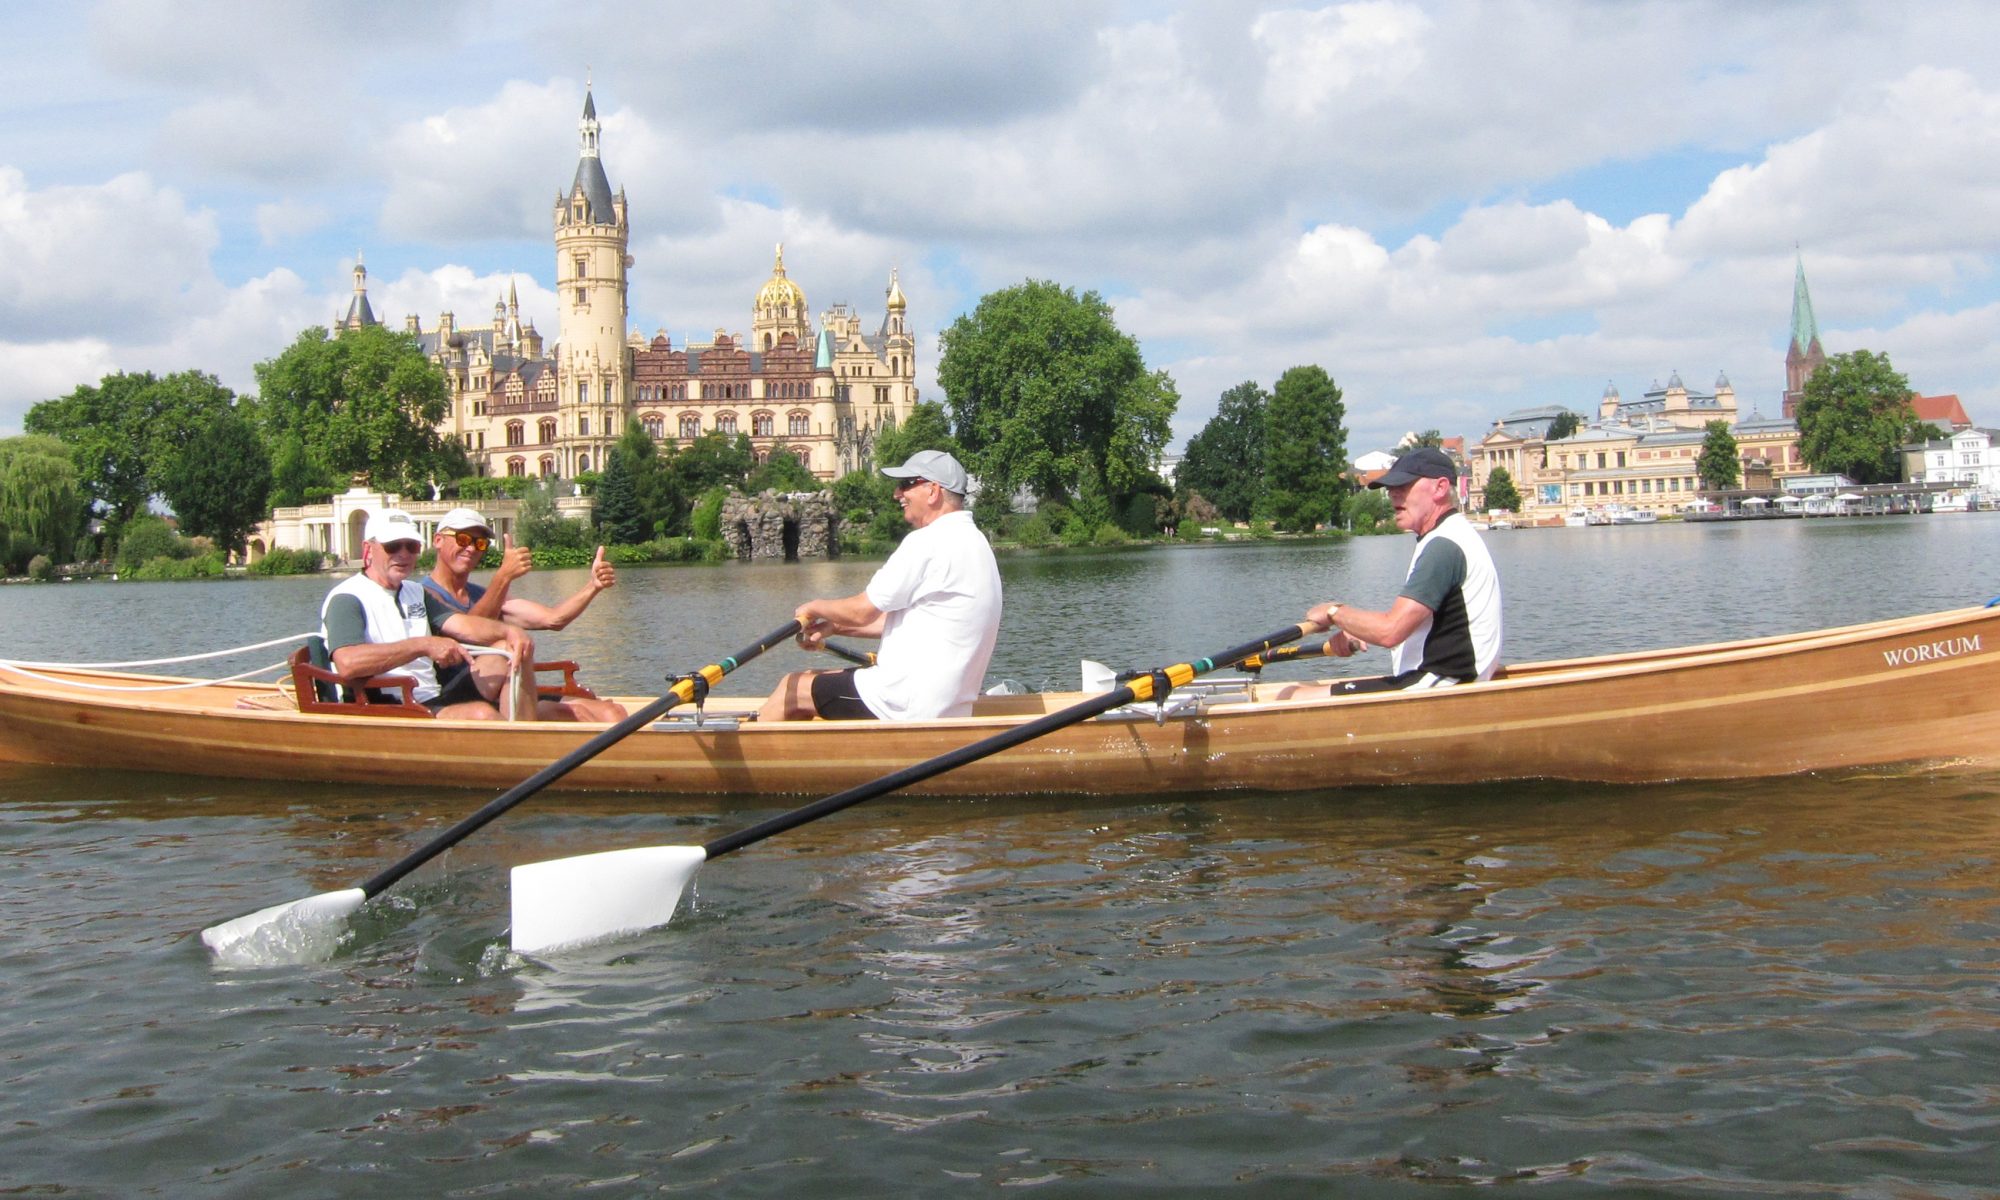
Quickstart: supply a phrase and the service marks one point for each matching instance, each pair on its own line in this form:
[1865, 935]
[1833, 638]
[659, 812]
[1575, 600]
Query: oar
[591, 897]
[309, 928]
[1258, 662]
[860, 658]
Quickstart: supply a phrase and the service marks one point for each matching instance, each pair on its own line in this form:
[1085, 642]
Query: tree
[782, 472]
[366, 400]
[218, 481]
[1501, 494]
[1565, 425]
[1305, 449]
[1429, 437]
[1717, 466]
[928, 427]
[1046, 393]
[42, 502]
[618, 517]
[1224, 462]
[712, 460]
[122, 433]
[1854, 414]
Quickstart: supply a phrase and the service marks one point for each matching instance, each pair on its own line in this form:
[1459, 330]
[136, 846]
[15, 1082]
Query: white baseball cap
[391, 525]
[464, 520]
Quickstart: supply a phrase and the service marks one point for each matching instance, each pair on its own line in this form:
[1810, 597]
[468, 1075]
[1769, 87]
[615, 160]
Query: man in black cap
[1444, 627]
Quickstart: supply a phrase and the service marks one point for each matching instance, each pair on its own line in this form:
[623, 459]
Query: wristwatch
[1330, 613]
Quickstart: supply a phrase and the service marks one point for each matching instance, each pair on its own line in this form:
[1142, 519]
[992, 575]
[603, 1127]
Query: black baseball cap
[1425, 462]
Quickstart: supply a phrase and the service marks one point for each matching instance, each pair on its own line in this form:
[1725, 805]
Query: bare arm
[364, 659]
[530, 615]
[854, 615]
[515, 561]
[1374, 628]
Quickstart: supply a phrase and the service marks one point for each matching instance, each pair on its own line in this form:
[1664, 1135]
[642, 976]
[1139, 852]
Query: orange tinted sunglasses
[473, 540]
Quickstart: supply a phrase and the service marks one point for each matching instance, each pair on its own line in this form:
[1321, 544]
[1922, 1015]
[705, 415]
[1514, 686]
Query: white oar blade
[593, 897]
[307, 930]
[1097, 677]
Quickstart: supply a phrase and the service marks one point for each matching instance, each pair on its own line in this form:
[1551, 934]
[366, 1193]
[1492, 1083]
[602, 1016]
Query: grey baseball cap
[935, 465]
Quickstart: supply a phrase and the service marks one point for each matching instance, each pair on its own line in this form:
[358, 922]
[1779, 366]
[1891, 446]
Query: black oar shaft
[1141, 688]
[682, 691]
[860, 658]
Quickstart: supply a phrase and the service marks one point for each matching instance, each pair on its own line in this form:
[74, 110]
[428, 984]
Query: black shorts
[457, 688]
[836, 698]
[1378, 683]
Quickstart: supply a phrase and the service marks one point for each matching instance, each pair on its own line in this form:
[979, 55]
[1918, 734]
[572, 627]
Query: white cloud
[283, 220]
[1314, 55]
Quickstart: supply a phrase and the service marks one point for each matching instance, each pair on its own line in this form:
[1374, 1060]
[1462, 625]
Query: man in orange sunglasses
[462, 538]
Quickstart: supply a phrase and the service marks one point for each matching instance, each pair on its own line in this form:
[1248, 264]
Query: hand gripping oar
[305, 929]
[591, 897]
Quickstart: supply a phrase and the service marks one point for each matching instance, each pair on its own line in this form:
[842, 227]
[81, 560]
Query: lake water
[1782, 987]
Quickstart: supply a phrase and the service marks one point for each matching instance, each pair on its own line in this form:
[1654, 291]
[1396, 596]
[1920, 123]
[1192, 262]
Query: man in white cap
[376, 623]
[1444, 627]
[462, 538]
[935, 604]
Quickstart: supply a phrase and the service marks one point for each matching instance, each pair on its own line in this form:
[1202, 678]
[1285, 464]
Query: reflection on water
[1779, 987]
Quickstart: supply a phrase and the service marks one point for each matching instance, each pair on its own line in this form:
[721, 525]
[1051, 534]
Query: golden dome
[779, 292]
[896, 302]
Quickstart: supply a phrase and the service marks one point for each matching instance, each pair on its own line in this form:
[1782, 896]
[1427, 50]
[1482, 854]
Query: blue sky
[1455, 208]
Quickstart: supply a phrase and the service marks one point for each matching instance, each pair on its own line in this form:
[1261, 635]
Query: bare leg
[581, 708]
[792, 699]
[468, 710]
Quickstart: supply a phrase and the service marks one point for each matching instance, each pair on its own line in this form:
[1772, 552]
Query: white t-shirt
[941, 591]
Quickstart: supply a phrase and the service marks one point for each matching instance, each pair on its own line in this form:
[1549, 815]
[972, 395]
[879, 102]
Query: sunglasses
[904, 485]
[471, 539]
[403, 547]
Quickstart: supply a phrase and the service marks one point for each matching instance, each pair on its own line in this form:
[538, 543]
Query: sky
[1455, 209]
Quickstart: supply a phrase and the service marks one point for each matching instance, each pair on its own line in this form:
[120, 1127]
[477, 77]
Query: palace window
[545, 432]
[690, 426]
[654, 425]
[517, 466]
[517, 433]
[798, 424]
[761, 424]
[582, 425]
[583, 391]
[726, 423]
[546, 466]
[582, 463]
[803, 455]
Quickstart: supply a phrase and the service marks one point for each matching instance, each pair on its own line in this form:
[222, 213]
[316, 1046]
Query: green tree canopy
[928, 427]
[123, 432]
[42, 502]
[1854, 415]
[1046, 393]
[1501, 494]
[658, 503]
[1224, 462]
[712, 460]
[618, 516]
[218, 481]
[1565, 425]
[1305, 449]
[1718, 466]
[366, 400]
[782, 472]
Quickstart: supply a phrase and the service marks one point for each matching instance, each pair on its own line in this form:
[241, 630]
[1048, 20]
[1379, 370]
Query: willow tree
[42, 501]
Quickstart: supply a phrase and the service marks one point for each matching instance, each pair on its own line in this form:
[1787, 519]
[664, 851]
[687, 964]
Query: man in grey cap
[1444, 628]
[935, 604]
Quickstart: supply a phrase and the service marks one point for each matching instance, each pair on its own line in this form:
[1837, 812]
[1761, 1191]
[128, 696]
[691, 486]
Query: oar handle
[1141, 688]
[860, 658]
[682, 691]
[1257, 662]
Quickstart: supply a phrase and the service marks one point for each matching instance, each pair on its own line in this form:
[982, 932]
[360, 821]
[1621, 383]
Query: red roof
[1943, 411]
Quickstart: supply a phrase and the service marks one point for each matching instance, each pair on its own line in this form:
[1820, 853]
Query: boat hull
[1924, 689]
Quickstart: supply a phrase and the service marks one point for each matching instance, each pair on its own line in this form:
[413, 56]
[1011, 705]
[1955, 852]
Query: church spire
[1805, 331]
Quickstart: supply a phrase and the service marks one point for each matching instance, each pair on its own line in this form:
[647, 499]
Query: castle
[818, 395]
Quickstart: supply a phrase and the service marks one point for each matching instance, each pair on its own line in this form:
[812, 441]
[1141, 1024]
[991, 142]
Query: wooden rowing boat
[1921, 689]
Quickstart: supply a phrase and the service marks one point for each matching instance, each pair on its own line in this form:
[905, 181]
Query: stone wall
[770, 526]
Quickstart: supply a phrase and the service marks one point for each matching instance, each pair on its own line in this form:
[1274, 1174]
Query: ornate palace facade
[819, 395]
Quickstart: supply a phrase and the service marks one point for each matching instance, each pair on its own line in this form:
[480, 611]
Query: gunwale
[1815, 700]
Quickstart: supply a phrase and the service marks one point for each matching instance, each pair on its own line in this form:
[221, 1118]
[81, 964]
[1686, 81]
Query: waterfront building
[1969, 459]
[1641, 453]
[519, 408]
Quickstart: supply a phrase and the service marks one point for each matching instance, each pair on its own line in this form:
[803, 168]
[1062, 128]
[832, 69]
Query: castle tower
[359, 313]
[1804, 355]
[593, 239]
[899, 350]
[780, 309]
[1607, 404]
